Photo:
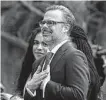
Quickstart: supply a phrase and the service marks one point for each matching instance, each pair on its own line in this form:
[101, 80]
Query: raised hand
[37, 79]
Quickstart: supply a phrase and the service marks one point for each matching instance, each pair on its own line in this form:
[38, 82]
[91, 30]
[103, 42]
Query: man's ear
[66, 28]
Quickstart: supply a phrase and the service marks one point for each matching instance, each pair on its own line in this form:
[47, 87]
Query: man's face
[53, 32]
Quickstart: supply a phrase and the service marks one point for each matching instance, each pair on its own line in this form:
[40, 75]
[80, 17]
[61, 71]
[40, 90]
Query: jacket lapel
[58, 55]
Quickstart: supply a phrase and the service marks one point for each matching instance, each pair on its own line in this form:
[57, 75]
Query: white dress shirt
[54, 50]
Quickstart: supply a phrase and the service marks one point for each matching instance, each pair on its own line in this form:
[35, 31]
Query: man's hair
[69, 17]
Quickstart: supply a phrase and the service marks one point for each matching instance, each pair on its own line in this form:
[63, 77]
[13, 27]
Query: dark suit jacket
[69, 76]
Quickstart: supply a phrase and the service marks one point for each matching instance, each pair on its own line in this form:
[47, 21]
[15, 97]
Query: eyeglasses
[50, 23]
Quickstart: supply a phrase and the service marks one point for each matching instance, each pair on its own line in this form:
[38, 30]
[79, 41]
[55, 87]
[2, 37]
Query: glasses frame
[50, 23]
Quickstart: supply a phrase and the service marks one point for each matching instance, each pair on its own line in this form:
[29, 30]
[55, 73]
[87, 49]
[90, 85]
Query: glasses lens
[49, 23]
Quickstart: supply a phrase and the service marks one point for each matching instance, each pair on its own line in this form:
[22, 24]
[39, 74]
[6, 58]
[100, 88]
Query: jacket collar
[60, 52]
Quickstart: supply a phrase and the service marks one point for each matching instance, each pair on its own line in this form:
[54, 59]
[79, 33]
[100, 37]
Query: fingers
[34, 85]
[38, 69]
[48, 69]
[40, 73]
[42, 77]
[39, 77]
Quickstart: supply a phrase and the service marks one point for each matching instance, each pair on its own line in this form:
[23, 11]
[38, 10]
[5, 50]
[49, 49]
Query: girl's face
[40, 48]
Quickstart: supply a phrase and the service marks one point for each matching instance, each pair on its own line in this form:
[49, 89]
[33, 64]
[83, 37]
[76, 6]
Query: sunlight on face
[53, 33]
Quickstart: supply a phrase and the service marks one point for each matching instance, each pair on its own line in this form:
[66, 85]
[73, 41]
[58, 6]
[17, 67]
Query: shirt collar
[54, 50]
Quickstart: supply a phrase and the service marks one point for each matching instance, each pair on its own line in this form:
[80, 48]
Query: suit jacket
[69, 73]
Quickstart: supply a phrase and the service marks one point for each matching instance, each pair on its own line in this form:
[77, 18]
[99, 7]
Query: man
[68, 72]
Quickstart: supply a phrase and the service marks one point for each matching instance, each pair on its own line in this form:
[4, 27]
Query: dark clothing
[99, 65]
[69, 76]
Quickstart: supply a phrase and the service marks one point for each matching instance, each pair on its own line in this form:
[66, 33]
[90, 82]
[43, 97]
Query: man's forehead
[53, 15]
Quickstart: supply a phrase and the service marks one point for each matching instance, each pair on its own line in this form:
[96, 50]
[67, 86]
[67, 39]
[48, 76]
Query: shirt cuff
[30, 92]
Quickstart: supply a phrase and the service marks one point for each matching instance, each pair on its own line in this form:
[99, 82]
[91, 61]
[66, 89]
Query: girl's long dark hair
[79, 37]
[27, 63]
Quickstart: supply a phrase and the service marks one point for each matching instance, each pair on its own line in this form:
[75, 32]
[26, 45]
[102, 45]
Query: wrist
[15, 97]
[30, 88]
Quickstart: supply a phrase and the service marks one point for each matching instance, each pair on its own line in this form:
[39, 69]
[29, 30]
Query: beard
[48, 39]
[47, 35]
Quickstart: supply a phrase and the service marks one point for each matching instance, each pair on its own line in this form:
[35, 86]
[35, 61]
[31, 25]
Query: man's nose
[45, 25]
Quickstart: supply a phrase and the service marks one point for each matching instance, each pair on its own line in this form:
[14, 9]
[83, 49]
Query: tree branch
[14, 40]
[32, 8]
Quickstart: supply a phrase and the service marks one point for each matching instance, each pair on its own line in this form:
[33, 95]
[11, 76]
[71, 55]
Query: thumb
[38, 69]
